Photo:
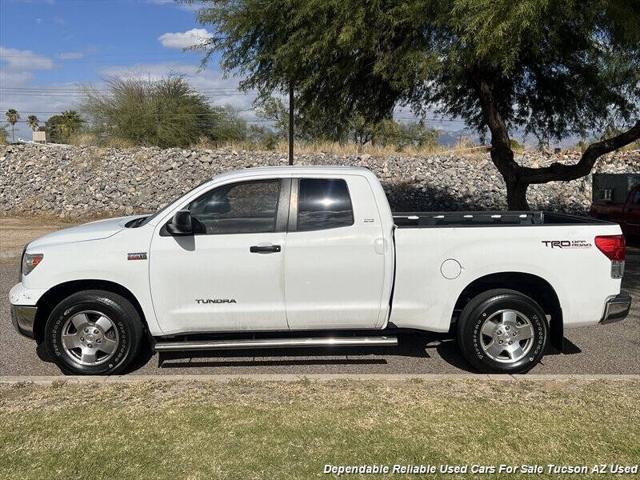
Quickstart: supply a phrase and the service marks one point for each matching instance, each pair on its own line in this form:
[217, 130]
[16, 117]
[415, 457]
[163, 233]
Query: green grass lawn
[274, 430]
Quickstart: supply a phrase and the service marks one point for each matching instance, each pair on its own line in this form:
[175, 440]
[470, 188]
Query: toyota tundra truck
[284, 257]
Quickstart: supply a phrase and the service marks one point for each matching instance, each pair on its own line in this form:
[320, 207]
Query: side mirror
[181, 223]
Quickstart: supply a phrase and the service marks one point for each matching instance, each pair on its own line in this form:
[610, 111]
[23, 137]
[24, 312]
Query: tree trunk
[501, 152]
[512, 174]
[518, 178]
[517, 195]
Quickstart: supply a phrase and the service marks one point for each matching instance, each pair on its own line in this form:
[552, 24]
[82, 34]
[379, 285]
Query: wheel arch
[528, 284]
[55, 295]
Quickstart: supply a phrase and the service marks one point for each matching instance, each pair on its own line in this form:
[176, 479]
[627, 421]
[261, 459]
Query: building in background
[40, 136]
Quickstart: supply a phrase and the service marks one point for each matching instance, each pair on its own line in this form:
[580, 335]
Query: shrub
[166, 113]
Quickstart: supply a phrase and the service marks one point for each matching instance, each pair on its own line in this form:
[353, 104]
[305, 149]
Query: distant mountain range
[450, 138]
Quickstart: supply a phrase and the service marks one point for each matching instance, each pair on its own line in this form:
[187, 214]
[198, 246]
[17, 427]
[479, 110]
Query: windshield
[145, 220]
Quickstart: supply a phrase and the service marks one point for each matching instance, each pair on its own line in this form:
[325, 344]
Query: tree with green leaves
[308, 127]
[33, 122]
[359, 129]
[402, 135]
[12, 116]
[60, 128]
[553, 69]
[166, 113]
[53, 128]
[71, 122]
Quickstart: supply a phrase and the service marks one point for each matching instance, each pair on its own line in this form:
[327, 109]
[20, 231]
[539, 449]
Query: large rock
[90, 181]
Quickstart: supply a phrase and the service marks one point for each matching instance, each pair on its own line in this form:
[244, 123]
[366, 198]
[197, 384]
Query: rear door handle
[265, 249]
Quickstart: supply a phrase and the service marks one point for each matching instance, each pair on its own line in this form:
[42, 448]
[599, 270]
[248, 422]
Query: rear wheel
[503, 331]
[93, 332]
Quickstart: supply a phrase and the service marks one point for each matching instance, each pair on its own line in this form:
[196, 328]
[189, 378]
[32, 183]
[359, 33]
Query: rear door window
[323, 204]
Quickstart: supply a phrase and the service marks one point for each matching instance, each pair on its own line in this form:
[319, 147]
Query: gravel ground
[607, 349]
[73, 182]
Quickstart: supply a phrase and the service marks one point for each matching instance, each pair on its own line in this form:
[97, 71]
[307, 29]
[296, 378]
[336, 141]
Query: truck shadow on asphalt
[408, 346]
[631, 280]
[415, 344]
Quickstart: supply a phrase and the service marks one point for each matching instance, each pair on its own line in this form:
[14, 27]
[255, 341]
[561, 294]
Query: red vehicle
[616, 197]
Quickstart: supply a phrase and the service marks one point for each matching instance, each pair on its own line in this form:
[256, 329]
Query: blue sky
[49, 49]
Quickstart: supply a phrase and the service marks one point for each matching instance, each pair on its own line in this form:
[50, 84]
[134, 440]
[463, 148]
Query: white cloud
[190, 38]
[13, 79]
[70, 55]
[23, 60]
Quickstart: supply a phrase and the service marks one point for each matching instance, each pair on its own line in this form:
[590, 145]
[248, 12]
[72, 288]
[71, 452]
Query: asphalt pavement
[602, 349]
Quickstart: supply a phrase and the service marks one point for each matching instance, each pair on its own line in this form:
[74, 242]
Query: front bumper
[23, 308]
[617, 308]
[23, 318]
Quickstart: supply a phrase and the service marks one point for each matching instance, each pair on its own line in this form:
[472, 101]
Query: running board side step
[248, 344]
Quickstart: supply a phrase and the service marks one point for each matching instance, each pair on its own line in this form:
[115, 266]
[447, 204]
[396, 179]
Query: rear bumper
[23, 318]
[617, 308]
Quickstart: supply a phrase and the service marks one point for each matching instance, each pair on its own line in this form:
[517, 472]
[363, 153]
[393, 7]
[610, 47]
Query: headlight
[31, 261]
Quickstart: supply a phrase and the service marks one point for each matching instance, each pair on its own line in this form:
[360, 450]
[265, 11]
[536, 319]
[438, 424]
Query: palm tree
[12, 117]
[33, 122]
[70, 122]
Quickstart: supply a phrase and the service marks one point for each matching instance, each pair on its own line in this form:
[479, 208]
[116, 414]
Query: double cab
[313, 256]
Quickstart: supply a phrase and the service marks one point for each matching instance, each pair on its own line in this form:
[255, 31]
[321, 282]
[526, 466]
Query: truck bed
[488, 218]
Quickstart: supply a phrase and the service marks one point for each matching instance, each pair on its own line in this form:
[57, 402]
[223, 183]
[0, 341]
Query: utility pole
[290, 123]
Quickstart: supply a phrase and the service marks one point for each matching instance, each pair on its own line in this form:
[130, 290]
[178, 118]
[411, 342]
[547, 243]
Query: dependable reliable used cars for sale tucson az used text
[309, 257]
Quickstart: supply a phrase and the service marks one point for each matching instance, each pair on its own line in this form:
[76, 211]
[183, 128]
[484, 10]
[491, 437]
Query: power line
[129, 52]
[406, 118]
[99, 90]
[397, 117]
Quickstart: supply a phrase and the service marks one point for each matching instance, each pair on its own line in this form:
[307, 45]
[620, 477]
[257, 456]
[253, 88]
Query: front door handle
[265, 249]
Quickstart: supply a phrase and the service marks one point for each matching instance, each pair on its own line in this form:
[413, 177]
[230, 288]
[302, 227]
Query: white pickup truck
[309, 257]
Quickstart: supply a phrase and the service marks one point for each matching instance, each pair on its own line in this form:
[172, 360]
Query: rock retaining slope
[83, 182]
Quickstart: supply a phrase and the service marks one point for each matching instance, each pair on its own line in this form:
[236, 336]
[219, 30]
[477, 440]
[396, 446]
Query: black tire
[125, 332]
[489, 307]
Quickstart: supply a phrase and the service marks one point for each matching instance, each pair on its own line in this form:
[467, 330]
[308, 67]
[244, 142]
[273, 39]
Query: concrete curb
[49, 380]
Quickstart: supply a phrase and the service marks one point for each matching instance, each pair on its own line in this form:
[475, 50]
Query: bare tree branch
[559, 171]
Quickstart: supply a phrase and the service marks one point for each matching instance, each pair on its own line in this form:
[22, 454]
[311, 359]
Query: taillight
[612, 246]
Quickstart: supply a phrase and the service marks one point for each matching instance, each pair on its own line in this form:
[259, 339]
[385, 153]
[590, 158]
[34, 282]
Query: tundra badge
[216, 300]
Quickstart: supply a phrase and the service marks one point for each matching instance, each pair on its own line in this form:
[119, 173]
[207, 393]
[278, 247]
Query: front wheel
[93, 332]
[503, 331]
